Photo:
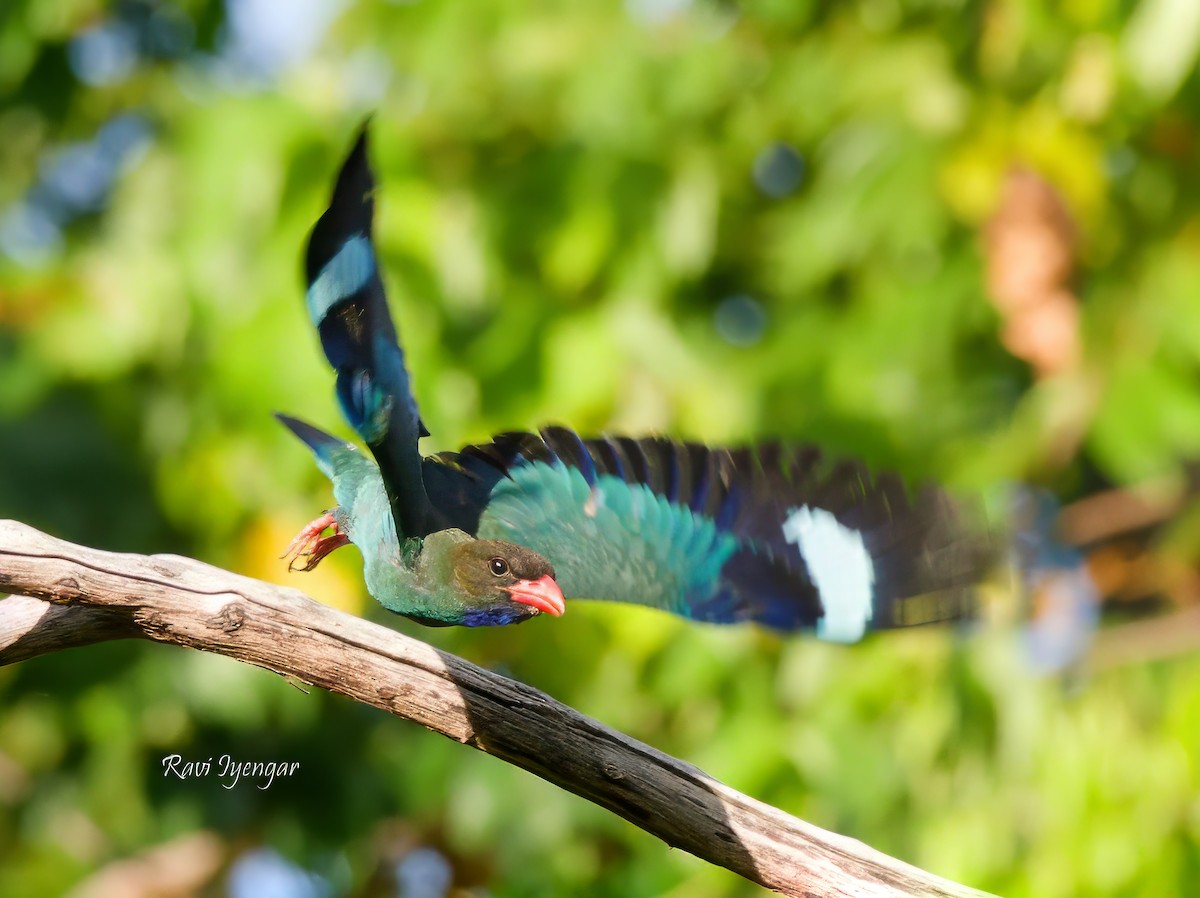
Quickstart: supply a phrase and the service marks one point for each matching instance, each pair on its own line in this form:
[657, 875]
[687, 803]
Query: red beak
[542, 593]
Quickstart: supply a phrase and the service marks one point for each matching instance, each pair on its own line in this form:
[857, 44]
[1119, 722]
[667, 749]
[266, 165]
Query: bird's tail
[352, 473]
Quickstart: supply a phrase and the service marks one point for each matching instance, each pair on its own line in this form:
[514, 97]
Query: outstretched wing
[784, 537]
[347, 305]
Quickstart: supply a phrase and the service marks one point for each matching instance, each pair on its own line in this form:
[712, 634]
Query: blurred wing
[1063, 600]
[779, 536]
[347, 305]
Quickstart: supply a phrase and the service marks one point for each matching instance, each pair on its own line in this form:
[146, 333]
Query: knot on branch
[66, 591]
[229, 619]
[613, 773]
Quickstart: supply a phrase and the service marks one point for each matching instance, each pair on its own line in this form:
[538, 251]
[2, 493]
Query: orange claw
[311, 545]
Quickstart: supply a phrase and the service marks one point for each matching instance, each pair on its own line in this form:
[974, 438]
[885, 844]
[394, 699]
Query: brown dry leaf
[1029, 245]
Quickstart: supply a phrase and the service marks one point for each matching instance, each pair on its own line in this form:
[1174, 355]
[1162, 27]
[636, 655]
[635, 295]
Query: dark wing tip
[295, 425]
[313, 437]
[356, 170]
[351, 207]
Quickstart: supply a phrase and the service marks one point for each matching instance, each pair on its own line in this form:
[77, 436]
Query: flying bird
[783, 536]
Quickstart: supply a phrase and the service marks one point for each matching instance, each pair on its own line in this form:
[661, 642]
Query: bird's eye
[498, 566]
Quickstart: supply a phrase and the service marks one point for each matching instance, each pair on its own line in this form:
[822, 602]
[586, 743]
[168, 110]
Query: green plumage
[614, 539]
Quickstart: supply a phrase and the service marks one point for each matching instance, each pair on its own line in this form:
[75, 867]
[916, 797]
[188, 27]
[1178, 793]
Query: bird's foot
[310, 545]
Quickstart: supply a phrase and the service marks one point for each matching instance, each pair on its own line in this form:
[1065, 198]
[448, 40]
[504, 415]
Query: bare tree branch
[78, 595]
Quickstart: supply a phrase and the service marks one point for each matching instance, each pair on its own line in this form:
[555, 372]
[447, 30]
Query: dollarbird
[783, 536]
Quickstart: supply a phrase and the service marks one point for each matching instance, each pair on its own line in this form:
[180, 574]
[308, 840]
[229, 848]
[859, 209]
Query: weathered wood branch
[75, 595]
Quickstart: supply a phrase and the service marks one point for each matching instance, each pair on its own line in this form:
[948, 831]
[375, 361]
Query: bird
[787, 537]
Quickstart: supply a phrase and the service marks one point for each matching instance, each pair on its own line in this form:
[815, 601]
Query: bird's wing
[784, 537]
[347, 305]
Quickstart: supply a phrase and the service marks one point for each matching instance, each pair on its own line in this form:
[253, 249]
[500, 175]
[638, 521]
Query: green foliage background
[567, 195]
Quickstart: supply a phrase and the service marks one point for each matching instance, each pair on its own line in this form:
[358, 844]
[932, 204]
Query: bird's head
[485, 582]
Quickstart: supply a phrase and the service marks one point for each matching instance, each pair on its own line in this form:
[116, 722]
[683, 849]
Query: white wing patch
[343, 275]
[841, 568]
